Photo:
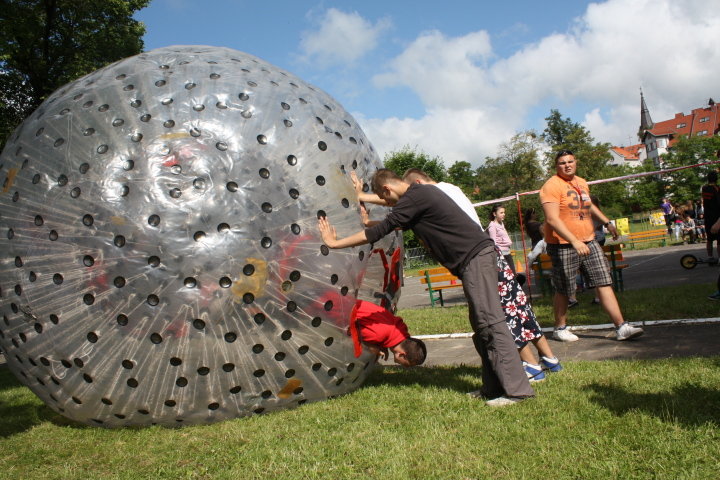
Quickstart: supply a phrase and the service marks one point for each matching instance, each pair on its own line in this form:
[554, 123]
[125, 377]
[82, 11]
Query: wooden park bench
[648, 236]
[437, 280]
[614, 254]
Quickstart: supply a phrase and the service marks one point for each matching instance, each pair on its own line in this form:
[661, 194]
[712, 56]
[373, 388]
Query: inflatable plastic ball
[160, 256]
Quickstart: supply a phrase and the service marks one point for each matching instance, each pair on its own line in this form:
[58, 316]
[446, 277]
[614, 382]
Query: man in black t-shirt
[469, 253]
[711, 210]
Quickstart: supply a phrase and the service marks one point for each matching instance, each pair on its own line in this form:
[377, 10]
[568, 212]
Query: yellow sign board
[657, 219]
[622, 225]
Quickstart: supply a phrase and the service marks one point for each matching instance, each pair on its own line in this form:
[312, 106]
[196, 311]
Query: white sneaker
[503, 401]
[564, 335]
[627, 331]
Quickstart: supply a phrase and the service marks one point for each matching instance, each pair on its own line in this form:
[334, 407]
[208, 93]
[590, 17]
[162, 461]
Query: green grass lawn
[595, 420]
[666, 303]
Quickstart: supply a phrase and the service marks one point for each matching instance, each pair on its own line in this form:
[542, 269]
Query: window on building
[704, 119]
[704, 132]
[681, 125]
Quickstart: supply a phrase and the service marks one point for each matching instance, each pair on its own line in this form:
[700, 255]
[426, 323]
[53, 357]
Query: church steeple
[646, 122]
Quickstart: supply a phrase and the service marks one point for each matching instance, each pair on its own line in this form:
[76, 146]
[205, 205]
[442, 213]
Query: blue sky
[458, 78]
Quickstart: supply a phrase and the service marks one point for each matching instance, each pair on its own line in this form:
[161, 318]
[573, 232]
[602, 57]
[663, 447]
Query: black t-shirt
[445, 229]
[711, 202]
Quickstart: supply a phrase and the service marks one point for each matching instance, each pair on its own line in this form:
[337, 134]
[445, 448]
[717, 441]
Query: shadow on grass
[20, 415]
[6, 375]
[461, 378]
[689, 405]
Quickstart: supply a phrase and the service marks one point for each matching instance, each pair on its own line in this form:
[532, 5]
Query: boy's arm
[365, 217]
[329, 237]
[377, 350]
[362, 196]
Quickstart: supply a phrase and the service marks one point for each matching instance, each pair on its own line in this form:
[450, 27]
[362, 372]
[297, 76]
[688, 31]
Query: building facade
[632, 156]
[659, 137]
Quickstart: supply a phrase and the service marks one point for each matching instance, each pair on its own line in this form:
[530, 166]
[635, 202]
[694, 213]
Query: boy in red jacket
[381, 331]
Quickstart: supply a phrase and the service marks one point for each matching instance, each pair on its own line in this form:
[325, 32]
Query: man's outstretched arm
[329, 237]
[362, 196]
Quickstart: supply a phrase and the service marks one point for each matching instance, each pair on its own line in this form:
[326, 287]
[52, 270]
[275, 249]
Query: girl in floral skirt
[523, 325]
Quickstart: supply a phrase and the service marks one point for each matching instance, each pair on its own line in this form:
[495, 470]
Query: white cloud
[613, 126]
[444, 72]
[451, 134]
[669, 48]
[342, 38]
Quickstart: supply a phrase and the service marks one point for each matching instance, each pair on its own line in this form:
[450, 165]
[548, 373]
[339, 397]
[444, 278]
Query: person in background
[678, 213]
[534, 228]
[496, 230]
[700, 223]
[711, 208]
[523, 325]
[570, 236]
[688, 227]
[667, 210]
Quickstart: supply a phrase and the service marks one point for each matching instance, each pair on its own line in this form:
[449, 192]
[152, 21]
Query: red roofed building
[633, 156]
[659, 137]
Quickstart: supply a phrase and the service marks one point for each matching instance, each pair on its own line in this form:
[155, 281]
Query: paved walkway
[660, 341]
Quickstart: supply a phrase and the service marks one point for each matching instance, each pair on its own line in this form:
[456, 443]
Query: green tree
[684, 185]
[558, 129]
[647, 192]
[564, 134]
[462, 175]
[593, 161]
[45, 44]
[516, 169]
[406, 157]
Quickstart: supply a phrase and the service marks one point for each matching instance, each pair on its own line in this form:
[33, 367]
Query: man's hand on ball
[327, 232]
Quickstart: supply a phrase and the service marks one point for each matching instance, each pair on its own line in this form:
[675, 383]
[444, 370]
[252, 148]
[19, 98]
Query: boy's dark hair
[562, 153]
[712, 177]
[415, 350]
[382, 177]
[412, 174]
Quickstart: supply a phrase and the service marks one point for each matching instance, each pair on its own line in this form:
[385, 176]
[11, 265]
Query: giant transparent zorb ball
[160, 256]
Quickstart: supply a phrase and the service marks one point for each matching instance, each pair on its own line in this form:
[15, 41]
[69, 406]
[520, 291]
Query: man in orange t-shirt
[571, 244]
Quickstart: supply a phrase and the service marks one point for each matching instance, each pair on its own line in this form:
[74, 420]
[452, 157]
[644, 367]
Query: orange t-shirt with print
[574, 200]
